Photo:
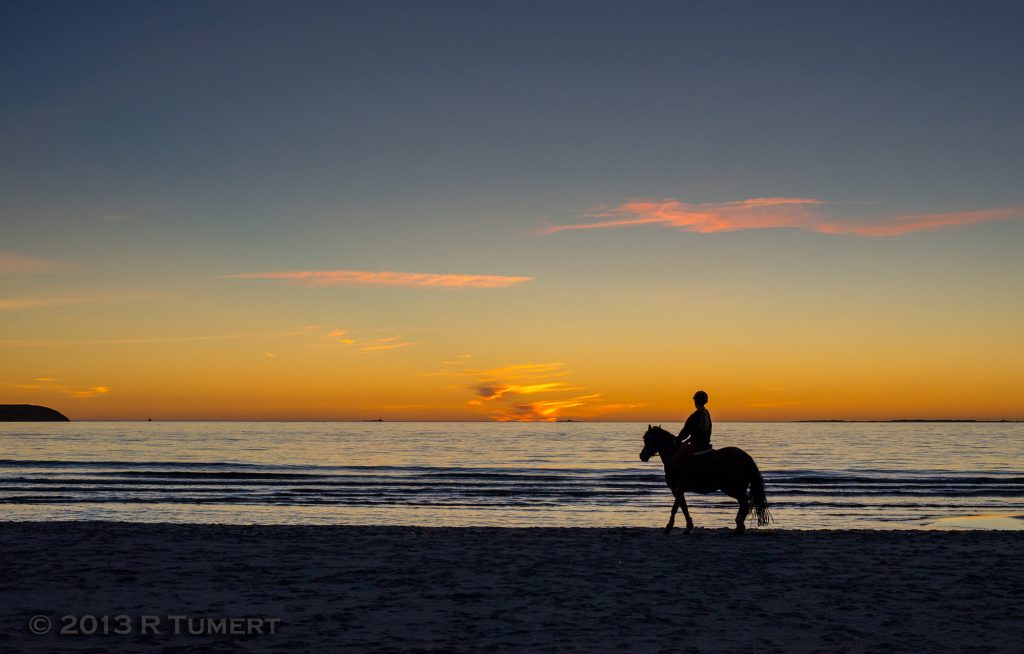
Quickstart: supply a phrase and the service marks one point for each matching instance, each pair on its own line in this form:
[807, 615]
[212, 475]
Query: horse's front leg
[672, 519]
[681, 502]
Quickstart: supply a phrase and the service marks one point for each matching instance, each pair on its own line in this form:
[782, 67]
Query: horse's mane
[669, 439]
[660, 430]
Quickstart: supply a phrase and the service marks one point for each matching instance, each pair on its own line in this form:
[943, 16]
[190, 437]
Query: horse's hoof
[668, 530]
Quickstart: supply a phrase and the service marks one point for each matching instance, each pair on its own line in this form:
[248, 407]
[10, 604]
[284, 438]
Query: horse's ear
[648, 426]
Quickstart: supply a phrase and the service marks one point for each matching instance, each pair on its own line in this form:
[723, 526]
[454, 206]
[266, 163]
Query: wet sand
[388, 589]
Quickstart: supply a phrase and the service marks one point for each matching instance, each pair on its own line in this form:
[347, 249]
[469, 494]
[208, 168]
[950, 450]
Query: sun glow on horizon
[517, 212]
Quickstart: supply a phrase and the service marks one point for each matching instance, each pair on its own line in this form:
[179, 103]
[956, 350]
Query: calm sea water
[818, 475]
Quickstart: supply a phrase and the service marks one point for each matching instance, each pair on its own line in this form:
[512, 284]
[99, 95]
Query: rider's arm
[687, 430]
[682, 437]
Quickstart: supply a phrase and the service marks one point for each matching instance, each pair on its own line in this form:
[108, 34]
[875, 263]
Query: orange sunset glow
[289, 224]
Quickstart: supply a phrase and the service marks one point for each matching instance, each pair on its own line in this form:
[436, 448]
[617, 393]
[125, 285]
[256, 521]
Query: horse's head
[654, 440]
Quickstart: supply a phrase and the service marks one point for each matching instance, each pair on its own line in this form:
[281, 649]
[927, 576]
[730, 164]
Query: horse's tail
[758, 500]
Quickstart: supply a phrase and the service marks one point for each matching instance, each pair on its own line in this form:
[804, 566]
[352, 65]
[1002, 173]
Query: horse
[730, 470]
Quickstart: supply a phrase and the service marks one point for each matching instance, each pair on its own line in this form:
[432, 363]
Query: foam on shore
[996, 521]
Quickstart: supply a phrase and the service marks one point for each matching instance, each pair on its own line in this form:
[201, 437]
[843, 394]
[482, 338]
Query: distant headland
[30, 413]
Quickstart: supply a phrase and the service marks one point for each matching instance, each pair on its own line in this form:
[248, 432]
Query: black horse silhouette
[730, 470]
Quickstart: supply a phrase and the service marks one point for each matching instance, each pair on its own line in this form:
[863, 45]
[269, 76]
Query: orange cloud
[496, 390]
[301, 331]
[898, 225]
[386, 278]
[771, 213]
[371, 345]
[754, 213]
[541, 411]
[92, 392]
[51, 385]
[44, 302]
[341, 336]
[15, 304]
[503, 392]
[512, 372]
[11, 262]
[392, 343]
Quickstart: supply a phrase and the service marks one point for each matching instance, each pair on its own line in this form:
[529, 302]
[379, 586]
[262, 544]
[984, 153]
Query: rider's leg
[685, 450]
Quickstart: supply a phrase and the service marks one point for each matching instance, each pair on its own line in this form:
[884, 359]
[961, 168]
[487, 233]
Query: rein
[667, 447]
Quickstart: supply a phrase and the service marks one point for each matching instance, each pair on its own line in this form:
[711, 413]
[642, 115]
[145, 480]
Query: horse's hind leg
[741, 516]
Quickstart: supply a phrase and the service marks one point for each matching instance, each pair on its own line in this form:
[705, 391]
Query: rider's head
[700, 398]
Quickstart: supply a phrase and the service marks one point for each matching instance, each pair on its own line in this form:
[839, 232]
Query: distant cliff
[29, 413]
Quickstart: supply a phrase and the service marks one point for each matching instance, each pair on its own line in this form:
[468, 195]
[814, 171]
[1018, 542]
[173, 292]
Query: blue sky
[152, 148]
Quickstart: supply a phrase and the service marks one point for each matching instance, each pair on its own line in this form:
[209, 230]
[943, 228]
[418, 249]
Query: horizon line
[541, 422]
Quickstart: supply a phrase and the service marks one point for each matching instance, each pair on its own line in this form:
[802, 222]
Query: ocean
[818, 475]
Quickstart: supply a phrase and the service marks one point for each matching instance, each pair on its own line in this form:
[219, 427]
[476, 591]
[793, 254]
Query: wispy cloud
[347, 339]
[541, 410]
[17, 304]
[11, 262]
[807, 214]
[510, 372]
[341, 336]
[44, 302]
[55, 386]
[91, 392]
[390, 343]
[773, 405]
[527, 392]
[921, 222]
[495, 390]
[385, 278]
[375, 344]
[19, 343]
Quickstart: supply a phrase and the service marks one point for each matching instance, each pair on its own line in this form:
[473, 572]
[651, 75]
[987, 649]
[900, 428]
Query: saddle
[690, 469]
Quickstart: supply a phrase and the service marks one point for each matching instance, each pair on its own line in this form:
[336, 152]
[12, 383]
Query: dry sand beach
[478, 589]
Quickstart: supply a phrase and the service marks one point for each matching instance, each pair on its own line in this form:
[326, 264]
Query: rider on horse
[696, 434]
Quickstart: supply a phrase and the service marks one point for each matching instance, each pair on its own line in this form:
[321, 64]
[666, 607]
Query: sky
[512, 211]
